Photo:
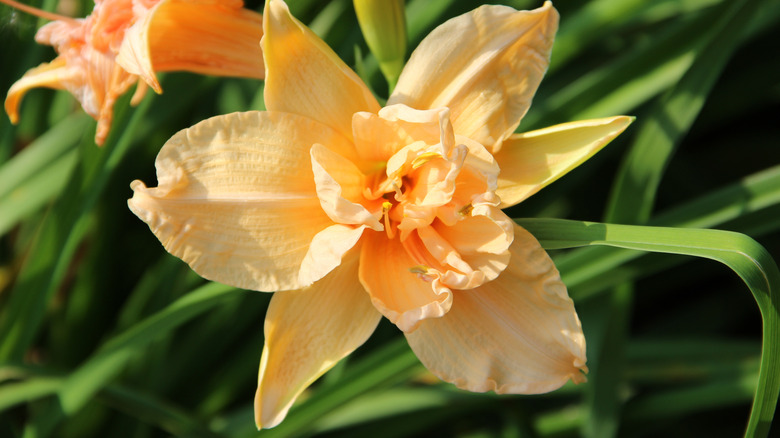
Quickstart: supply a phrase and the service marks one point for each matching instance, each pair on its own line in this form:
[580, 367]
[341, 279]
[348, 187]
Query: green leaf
[742, 254]
[160, 413]
[38, 173]
[633, 193]
[60, 234]
[600, 18]
[99, 370]
[163, 414]
[27, 390]
[109, 360]
[749, 197]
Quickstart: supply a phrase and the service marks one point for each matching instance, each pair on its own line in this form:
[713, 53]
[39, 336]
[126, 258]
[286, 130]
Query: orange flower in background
[356, 211]
[104, 54]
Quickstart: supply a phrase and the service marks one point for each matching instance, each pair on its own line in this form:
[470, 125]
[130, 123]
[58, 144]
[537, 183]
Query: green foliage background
[102, 333]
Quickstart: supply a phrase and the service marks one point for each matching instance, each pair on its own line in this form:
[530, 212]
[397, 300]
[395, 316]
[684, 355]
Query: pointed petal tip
[625, 120]
[532, 160]
[273, 10]
[549, 9]
[52, 74]
[580, 376]
[152, 82]
[307, 332]
[264, 418]
[13, 115]
[620, 123]
[304, 76]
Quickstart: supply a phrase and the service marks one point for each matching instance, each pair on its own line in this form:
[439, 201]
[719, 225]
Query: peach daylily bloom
[102, 55]
[356, 211]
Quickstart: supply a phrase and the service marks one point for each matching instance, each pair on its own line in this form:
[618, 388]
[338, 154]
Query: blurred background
[136, 345]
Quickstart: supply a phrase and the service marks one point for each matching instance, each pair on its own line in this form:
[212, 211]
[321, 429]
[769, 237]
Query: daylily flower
[355, 211]
[102, 55]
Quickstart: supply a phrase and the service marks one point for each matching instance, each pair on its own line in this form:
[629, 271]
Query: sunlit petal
[227, 40]
[306, 333]
[516, 334]
[485, 66]
[304, 76]
[236, 198]
[532, 160]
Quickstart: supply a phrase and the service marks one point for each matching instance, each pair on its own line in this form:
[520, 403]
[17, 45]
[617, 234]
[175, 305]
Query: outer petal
[516, 334]
[397, 282]
[209, 37]
[51, 75]
[91, 77]
[304, 76]
[236, 198]
[306, 333]
[532, 160]
[485, 66]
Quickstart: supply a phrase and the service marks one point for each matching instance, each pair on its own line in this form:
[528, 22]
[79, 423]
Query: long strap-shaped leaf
[634, 191]
[737, 251]
[99, 370]
[635, 188]
[61, 233]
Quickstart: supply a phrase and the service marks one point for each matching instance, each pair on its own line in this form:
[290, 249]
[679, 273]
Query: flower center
[433, 199]
[418, 189]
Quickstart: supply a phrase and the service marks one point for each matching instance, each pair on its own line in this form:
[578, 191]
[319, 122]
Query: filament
[46, 15]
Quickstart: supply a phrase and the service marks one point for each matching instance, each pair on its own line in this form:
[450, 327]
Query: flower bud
[384, 27]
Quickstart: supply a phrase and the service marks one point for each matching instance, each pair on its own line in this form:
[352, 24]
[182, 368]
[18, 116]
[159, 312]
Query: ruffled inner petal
[396, 276]
[326, 251]
[340, 187]
[380, 136]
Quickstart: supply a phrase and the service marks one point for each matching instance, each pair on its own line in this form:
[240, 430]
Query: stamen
[140, 92]
[419, 269]
[466, 210]
[422, 272]
[398, 192]
[46, 15]
[424, 158]
[386, 206]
